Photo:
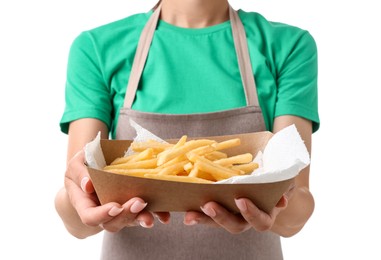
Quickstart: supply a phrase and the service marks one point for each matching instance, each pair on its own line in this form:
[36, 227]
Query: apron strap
[240, 43]
[243, 56]
[141, 57]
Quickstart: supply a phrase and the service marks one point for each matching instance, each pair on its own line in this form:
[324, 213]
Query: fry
[155, 145]
[247, 167]
[227, 144]
[238, 159]
[181, 141]
[125, 159]
[177, 178]
[201, 150]
[144, 155]
[206, 176]
[146, 164]
[188, 167]
[194, 171]
[173, 169]
[133, 172]
[172, 162]
[188, 146]
[217, 171]
[216, 155]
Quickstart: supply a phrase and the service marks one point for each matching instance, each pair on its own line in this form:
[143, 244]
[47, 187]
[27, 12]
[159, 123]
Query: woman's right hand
[91, 217]
[111, 216]
[77, 203]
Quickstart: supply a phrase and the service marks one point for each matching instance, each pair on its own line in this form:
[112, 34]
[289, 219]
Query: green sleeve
[87, 94]
[297, 92]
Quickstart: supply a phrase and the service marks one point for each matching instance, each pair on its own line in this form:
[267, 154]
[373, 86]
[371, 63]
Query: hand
[111, 216]
[250, 215]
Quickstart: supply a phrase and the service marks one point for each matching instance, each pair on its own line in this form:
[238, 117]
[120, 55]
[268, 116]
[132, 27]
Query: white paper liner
[284, 156]
[93, 153]
[142, 135]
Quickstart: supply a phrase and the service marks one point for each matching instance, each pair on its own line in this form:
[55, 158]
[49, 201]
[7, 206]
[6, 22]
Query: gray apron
[175, 240]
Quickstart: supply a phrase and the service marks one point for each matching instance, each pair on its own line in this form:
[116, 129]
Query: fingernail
[160, 220]
[137, 206]
[209, 211]
[143, 224]
[84, 181]
[114, 211]
[191, 223]
[241, 204]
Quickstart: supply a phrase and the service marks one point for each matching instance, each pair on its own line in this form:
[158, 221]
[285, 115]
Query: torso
[175, 240]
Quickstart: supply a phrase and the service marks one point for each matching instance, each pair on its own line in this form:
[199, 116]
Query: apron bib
[175, 240]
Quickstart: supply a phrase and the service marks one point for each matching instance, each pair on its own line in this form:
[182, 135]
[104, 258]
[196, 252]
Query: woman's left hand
[250, 215]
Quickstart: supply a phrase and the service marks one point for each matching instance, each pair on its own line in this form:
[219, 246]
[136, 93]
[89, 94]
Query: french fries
[197, 161]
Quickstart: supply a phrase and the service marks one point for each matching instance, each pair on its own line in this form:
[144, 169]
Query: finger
[283, 202]
[77, 172]
[95, 216]
[257, 218]
[291, 190]
[280, 206]
[195, 217]
[136, 209]
[88, 208]
[163, 217]
[234, 223]
[87, 185]
[133, 214]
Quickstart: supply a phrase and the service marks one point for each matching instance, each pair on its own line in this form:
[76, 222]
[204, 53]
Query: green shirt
[191, 70]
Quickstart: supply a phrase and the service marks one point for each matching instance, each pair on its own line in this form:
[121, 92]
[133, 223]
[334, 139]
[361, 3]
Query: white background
[35, 37]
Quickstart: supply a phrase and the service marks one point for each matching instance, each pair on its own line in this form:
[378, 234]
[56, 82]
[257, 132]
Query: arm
[77, 204]
[80, 133]
[300, 204]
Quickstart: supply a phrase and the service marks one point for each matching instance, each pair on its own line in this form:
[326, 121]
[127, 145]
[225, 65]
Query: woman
[198, 63]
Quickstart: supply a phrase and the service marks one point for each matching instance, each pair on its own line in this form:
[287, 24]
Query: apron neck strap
[240, 43]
